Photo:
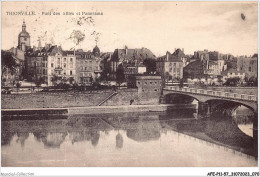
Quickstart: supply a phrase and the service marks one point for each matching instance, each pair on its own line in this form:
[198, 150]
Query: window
[64, 65]
[151, 82]
[52, 65]
[249, 69]
[155, 90]
[71, 59]
[145, 83]
[64, 59]
[70, 72]
[25, 39]
[86, 68]
[138, 83]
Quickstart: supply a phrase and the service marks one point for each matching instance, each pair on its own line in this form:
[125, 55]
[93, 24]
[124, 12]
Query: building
[126, 56]
[170, 66]
[194, 69]
[232, 73]
[23, 39]
[61, 65]
[149, 89]
[36, 65]
[201, 55]
[248, 66]
[89, 66]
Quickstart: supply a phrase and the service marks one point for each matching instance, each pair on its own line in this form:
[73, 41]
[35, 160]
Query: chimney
[183, 50]
[175, 49]
[34, 48]
[167, 56]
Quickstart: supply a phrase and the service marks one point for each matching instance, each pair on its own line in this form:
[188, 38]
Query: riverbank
[94, 109]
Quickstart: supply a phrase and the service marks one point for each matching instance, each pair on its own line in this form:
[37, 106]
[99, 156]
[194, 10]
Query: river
[174, 138]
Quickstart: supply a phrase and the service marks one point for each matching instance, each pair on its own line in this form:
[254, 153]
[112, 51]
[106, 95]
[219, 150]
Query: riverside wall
[75, 99]
[53, 100]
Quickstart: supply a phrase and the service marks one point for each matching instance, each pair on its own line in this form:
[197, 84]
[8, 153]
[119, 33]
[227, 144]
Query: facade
[171, 65]
[24, 39]
[61, 64]
[36, 63]
[37, 66]
[248, 66]
[88, 66]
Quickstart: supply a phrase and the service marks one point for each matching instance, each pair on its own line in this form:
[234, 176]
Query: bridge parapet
[214, 93]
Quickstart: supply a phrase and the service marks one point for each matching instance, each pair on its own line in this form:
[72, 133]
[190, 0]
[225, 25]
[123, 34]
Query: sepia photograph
[129, 84]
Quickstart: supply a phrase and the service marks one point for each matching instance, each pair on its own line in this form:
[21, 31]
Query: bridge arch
[228, 104]
[178, 98]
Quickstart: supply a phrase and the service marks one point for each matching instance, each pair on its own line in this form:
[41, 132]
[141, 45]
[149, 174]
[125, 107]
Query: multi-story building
[61, 64]
[248, 66]
[125, 56]
[88, 66]
[170, 66]
[36, 65]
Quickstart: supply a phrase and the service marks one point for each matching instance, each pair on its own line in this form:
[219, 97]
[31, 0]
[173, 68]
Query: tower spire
[24, 26]
[39, 43]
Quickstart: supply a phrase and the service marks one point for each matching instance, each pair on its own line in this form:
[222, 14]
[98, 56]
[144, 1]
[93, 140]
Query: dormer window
[25, 39]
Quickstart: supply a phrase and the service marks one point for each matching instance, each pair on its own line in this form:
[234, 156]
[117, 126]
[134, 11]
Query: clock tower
[24, 38]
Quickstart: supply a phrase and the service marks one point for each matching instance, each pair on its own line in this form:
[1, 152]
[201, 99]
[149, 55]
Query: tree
[7, 63]
[182, 82]
[39, 81]
[220, 80]
[246, 80]
[54, 79]
[71, 80]
[91, 79]
[150, 65]
[120, 75]
[18, 85]
[166, 76]
[252, 81]
[234, 81]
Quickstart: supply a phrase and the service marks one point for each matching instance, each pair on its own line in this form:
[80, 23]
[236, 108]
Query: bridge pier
[203, 109]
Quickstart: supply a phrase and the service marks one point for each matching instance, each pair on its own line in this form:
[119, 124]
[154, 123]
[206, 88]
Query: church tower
[23, 38]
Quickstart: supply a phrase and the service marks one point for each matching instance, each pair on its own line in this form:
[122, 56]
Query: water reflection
[144, 139]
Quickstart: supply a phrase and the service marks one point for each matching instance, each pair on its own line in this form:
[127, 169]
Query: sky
[158, 26]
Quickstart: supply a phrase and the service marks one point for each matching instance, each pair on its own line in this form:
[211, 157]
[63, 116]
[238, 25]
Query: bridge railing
[214, 93]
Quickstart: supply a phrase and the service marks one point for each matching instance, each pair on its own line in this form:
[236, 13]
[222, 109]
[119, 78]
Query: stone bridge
[215, 100]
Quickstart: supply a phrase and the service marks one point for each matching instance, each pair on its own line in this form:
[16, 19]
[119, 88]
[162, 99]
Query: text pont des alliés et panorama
[31, 13]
